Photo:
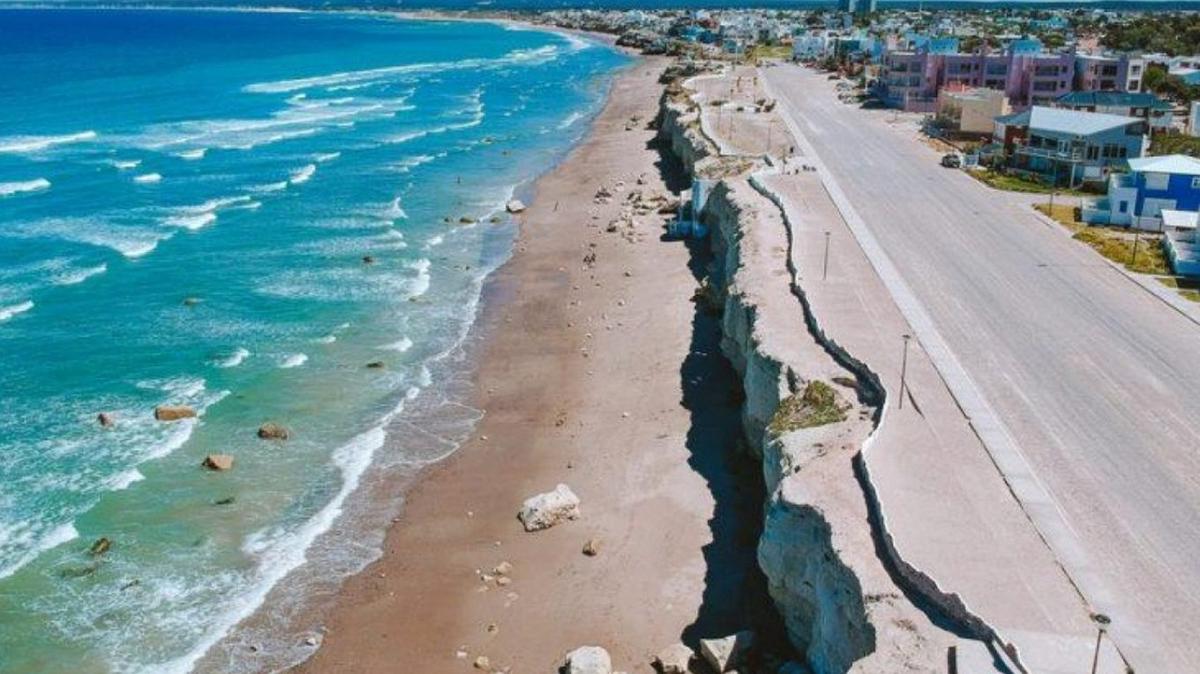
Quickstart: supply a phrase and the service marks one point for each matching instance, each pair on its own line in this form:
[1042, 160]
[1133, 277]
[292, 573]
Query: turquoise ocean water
[250, 161]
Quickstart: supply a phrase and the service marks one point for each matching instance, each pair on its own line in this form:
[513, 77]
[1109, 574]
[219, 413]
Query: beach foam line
[371, 75]
[401, 345]
[22, 187]
[395, 211]
[125, 164]
[293, 360]
[302, 174]
[31, 144]
[10, 311]
[76, 276]
[234, 359]
[148, 178]
[193, 155]
[124, 479]
[328, 156]
[270, 187]
[191, 222]
[63, 533]
[570, 120]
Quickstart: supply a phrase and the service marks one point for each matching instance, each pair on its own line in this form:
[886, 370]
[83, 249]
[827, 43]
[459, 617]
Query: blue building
[1070, 147]
[1153, 185]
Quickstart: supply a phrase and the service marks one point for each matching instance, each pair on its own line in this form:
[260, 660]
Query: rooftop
[1176, 164]
[1114, 98]
[1062, 120]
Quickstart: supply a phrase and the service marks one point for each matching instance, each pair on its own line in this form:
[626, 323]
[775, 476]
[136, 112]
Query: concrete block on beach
[674, 659]
[547, 509]
[588, 660]
[514, 206]
[218, 462]
[725, 654]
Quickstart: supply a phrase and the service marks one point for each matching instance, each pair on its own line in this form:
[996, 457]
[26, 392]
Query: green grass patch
[1189, 288]
[1064, 214]
[817, 405]
[1015, 183]
[1118, 246]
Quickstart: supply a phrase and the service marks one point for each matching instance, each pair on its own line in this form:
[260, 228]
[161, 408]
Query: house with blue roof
[1069, 147]
[1158, 113]
[1152, 185]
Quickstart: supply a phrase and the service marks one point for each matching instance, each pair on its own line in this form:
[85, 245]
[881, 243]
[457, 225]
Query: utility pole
[1136, 233]
[904, 374]
[825, 265]
[1102, 622]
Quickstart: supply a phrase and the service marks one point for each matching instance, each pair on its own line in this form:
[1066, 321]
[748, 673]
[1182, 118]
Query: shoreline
[459, 515]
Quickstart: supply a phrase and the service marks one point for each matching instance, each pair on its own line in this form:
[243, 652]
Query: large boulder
[173, 412]
[674, 659]
[727, 653]
[106, 419]
[514, 206]
[218, 462]
[588, 660]
[547, 509]
[272, 431]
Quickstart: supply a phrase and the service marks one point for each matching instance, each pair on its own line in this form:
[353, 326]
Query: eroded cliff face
[840, 606]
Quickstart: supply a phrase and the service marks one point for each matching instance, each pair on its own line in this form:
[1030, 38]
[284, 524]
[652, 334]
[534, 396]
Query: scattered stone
[482, 662]
[467, 220]
[592, 547]
[191, 301]
[173, 412]
[503, 569]
[106, 420]
[228, 500]
[674, 659]
[311, 641]
[368, 259]
[514, 206]
[218, 462]
[727, 653]
[588, 660]
[375, 365]
[548, 509]
[273, 431]
[492, 628]
[503, 581]
[100, 547]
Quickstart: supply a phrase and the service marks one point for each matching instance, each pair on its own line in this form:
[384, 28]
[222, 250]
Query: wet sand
[604, 377]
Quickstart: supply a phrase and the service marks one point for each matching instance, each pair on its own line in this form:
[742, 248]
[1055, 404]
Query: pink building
[1026, 74]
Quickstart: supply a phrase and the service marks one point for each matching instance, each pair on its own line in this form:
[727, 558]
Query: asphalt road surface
[1097, 380]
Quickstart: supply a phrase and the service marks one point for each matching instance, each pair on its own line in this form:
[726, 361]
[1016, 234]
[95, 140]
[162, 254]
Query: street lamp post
[1136, 234]
[1102, 622]
[904, 373]
[825, 264]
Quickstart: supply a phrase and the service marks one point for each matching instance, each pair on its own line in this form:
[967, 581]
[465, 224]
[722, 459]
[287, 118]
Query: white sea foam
[570, 120]
[270, 187]
[234, 359]
[403, 344]
[420, 284]
[328, 156]
[409, 163]
[35, 185]
[200, 215]
[148, 178]
[123, 479]
[435, 240]
[126, 164]
[31, 144]
[192, 222]
[395, 211]
[302, 174]
[375, 75]
[293, 360]
[10, 311]
[193, 155]
[54, 538]
[327, 339]
[72, 277]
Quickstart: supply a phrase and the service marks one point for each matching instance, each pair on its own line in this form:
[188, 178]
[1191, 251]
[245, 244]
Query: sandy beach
[600, 374]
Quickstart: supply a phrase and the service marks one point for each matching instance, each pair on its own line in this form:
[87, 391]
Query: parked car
[952, 160]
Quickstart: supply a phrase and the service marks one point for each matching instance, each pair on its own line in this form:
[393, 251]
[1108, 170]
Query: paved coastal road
[1097, 381]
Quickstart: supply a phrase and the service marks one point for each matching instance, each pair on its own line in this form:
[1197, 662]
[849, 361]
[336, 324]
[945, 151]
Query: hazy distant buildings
[858, 6]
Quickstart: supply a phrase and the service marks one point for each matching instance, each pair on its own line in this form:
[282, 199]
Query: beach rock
[514, 206]
[467, 220]
[727, 653]
[548, 509]
[191, 301]
[272, 431]
[368, 259]
[592, 547]
[375, 365]
[588, 660]
[106, 420]
[218, 462]
[100, 547]
[674, 659]
[173, 412]
[502, 569]
[482, 662]
[228, 500]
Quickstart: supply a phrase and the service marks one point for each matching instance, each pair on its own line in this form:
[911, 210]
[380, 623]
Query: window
[1196, 183]
[1123, 207]
[1134, 71]
[1157, 181]
[1045, 86]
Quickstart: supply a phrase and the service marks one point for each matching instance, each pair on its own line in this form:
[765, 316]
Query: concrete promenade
[1085, 387]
